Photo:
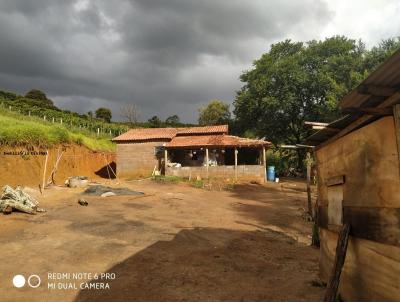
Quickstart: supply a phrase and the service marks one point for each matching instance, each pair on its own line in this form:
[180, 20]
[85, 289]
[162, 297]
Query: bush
[274, 158]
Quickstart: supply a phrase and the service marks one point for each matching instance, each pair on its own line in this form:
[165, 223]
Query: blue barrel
[271, 173]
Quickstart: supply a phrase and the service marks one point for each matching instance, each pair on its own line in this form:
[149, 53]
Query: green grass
[179, 179]
[170, 179]
[19, 130]
[198, 184]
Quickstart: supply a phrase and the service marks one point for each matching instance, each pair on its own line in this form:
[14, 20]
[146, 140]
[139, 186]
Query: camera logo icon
[19, 281]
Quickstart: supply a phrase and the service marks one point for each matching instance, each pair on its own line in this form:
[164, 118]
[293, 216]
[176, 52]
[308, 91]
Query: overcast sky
[166, 56]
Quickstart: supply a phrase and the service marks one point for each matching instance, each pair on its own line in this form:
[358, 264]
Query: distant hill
[36, 103]
[21, 130]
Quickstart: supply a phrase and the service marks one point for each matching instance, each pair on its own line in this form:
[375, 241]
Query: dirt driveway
[177, 243]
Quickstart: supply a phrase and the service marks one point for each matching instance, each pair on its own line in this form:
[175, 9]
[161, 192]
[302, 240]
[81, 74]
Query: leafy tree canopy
[215, 113]
[40, 98]
[172, 120]
[295, 82]
[8, 95]
[104, 114]
[154, 122]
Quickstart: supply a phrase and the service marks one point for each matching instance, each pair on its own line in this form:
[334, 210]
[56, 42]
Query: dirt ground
[176, 243]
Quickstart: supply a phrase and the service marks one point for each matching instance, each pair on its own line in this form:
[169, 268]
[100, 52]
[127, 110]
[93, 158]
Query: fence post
[98, 131]
[53, 120]
[44, 117]
[29, 113]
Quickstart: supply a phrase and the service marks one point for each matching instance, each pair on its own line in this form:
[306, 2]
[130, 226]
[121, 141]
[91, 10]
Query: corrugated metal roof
[142, 134]
[332, 129]
[214, 140]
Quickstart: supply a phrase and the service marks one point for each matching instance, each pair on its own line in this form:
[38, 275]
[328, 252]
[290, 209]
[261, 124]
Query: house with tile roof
[193, 152]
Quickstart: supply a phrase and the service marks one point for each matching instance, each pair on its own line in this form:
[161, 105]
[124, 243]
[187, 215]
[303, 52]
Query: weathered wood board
[335, 205]
[368, 158]
[371, 271]
[396, 116]
[377, 224]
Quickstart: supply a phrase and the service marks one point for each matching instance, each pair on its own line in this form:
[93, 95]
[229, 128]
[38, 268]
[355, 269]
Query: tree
[104, 114]
[40, 98]
[90, 114]
[215, 113]
[154, 122]
[36, 94]
[295, 82]
[378, 54]
[172, 120]
[130, 113]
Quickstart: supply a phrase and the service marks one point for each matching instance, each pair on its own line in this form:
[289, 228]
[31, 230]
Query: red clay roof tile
[141, 134]
[146, 134]
[214, 140]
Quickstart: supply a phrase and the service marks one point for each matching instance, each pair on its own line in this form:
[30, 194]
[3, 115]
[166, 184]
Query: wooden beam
[318, 127]
[236, 163]
[207, 161]
[44, 170]
[396, 116]
[376, 90]
[336, 180]
[395, 98]
[371, 223]
[165, 161]
[371, 111]
[340, 256]
[329, 129]
[309, 204]
[264, 157]
[316, 124]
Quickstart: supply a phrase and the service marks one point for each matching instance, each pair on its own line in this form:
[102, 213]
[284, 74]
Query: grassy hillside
[19, 130]
[29, 120]
[42, 109]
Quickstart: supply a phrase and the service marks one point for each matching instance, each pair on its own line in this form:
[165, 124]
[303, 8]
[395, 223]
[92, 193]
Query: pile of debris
[104, 191]
[77, 182]
[17, 199]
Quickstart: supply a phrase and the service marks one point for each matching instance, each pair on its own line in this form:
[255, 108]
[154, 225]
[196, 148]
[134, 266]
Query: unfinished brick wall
[137, 159]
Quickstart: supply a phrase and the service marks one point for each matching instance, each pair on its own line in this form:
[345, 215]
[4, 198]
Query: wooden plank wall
[371, 271]
[368, 160]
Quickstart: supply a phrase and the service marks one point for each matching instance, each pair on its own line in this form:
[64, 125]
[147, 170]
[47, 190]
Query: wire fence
[72, 121]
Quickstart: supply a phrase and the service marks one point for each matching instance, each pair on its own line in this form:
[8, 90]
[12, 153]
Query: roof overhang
[369, 101]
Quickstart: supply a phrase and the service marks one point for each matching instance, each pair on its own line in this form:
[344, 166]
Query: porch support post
[236, 163]
[264, 158]
[165, 161]
[309, 204]
[207, 161]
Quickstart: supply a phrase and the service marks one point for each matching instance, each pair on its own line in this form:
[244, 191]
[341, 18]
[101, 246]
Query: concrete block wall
[244, 172]
[137, 159]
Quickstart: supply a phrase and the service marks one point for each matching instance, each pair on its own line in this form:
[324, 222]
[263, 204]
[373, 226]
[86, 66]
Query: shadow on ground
[271, 206]
[206, 264]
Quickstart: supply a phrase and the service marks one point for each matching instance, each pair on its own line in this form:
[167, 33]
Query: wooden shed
[358, 163]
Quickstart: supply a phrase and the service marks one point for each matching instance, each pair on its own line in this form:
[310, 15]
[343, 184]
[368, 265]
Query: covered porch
[228, 157]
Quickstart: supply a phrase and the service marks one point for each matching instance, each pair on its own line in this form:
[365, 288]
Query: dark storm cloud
[166, 56]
